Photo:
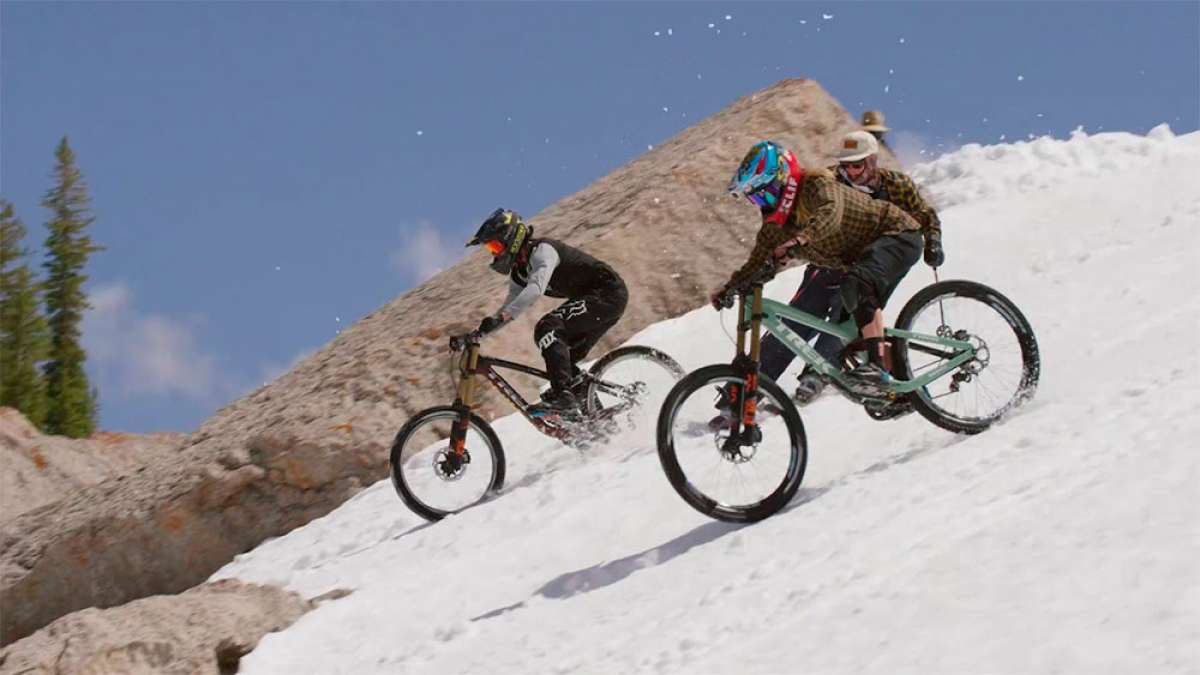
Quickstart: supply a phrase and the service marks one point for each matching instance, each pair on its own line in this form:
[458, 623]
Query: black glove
[489, 324]
[934, 256]
[721, 298]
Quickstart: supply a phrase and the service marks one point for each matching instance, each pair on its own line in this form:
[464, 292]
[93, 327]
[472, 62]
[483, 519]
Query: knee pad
[546, 332]
[546, 340]
[545, 325]
[858, 298]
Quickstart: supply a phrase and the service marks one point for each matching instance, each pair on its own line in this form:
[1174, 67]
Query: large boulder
[205, 630]
[295, 449]
[41, 469]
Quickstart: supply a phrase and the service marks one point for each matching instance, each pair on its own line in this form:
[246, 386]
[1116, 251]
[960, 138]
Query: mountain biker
[810, 215]
[595, 299]
[857, 167]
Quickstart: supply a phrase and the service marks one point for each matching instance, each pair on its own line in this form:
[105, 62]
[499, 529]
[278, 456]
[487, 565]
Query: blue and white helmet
[762, 175]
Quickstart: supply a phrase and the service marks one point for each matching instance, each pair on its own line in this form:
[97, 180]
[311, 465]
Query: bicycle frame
[770, 314]
[473, 363]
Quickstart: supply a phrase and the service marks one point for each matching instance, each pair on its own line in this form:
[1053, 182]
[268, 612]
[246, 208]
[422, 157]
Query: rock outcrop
[40, 469]
[295, 449]
[205, 630]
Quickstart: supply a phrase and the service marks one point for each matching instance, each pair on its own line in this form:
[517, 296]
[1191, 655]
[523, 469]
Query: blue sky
[263, 174]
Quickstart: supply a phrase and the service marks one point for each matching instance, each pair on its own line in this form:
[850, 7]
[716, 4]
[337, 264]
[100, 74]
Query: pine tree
[71, 409]
[23, 339]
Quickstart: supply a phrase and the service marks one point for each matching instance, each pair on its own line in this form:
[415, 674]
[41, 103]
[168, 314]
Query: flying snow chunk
[803, 21]
[712, 25]
[827, 16]
[901, 40]
[729, 17]
[1020, 78]
[887, 88]
[649, 147]
[891, 71]
[656, 33]
[420, 133]
[670, 32]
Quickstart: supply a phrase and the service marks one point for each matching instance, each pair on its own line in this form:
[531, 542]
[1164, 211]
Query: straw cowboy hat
[872, 120]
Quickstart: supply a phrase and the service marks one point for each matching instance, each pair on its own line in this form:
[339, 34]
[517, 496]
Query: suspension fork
[465, 400]
[745, 400]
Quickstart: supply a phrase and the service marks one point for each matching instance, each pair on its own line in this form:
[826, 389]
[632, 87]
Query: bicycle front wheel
[737, 482]
[430, 478]
[1003, 375]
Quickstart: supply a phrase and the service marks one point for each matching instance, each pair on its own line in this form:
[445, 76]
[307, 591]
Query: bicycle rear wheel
[1005, 372]
[633, 379]
[738, 483]
[427, 476]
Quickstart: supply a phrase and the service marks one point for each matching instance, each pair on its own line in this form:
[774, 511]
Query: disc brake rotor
[449, 466]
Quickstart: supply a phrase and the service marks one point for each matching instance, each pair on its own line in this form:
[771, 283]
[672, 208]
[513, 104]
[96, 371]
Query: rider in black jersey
[595, 299]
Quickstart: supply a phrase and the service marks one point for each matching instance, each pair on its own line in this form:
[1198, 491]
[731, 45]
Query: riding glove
[934, 256]
[489, 324]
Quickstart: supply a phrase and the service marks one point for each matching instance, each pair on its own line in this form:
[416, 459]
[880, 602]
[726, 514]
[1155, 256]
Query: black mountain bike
[447, 458]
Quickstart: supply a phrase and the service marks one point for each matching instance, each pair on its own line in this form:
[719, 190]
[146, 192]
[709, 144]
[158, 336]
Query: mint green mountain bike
[963, 356]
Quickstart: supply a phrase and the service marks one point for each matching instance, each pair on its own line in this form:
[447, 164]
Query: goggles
[494, 246]
[762, 197]
[855, 166]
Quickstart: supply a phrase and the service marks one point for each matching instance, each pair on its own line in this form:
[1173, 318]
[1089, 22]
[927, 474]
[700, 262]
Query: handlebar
[460, 342]
[768, 271]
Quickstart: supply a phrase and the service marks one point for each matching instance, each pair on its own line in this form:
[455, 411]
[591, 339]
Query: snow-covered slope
[1063, 540]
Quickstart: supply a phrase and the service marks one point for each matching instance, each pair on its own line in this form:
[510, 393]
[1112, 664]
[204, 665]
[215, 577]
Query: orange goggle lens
[495, 246]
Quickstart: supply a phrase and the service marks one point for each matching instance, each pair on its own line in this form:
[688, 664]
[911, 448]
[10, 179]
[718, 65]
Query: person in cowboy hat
[857, 167]
[872, 121]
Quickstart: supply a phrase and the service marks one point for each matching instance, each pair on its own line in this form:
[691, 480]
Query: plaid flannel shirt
[899, 189]
[838, 222]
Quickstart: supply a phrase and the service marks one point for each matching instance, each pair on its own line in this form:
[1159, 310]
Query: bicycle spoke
[976, 393]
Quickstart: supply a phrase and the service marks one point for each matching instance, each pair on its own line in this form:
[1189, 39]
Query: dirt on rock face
[297, 448]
